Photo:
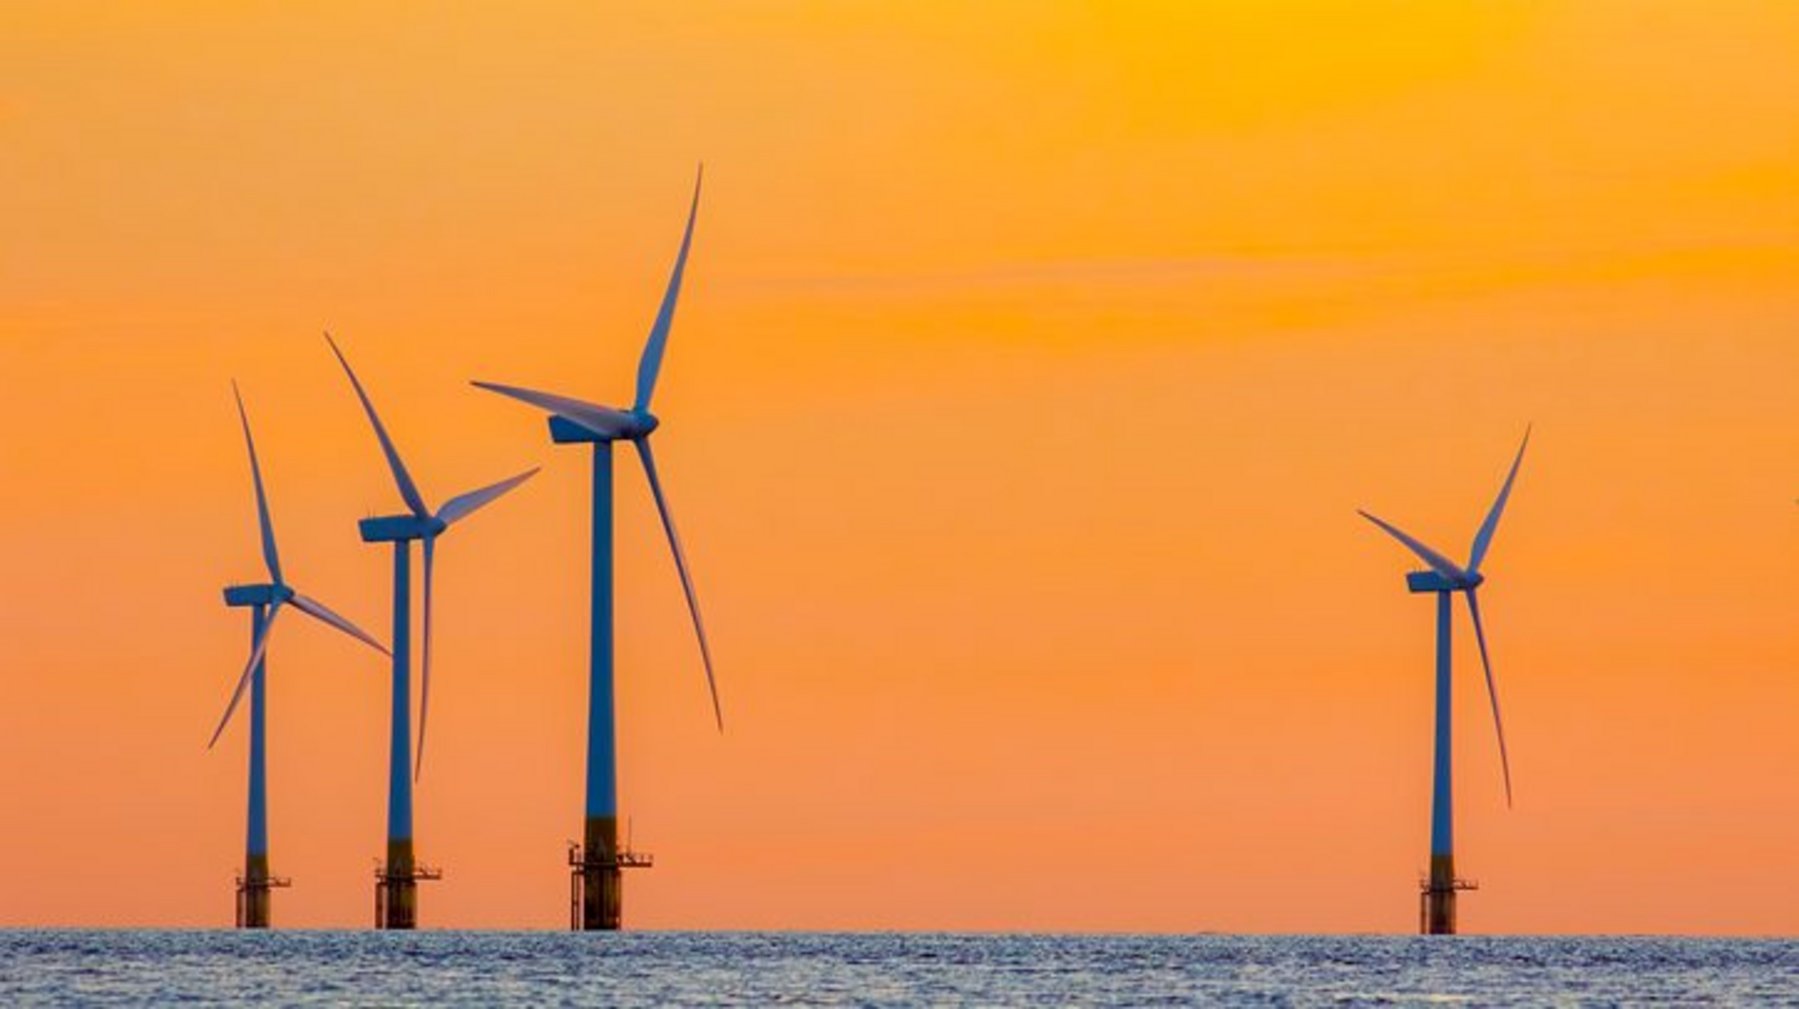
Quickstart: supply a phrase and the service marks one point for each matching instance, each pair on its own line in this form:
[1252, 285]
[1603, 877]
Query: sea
[442, 969]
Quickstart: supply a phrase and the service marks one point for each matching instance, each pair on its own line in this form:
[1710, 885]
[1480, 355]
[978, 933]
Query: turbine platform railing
[580, 864]
[626, 859]
[385, 880]
[247, 887]
[1427, 888]
[416, 874]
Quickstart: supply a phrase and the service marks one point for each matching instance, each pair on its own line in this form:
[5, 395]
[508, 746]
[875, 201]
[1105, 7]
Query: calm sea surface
[662, 968]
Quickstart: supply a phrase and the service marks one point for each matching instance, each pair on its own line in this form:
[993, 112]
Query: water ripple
[451, 969]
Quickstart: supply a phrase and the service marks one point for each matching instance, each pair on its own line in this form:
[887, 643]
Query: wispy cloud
[1415, 272]
[1032, 274]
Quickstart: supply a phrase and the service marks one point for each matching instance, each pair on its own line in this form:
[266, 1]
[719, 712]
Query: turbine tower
[264, 602]
[596, 866]
[1437, 894]
[396, 880]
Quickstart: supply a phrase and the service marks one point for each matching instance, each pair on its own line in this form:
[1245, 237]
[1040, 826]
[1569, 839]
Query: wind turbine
[265, 602]
[597, 864]
[1445, 578]
[396, 892]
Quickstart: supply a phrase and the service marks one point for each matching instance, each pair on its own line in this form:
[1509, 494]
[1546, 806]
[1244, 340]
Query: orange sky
[1033, 360]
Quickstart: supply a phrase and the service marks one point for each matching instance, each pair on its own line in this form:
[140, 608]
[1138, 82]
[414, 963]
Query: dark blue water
[656, 969]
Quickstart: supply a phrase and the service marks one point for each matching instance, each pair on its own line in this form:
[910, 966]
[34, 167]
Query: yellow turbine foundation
[396, 886]
[253, 898]
[596, 877]
[1437, 896]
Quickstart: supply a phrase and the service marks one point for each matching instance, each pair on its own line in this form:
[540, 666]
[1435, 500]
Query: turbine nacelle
[257, 595]
[621, 426]
[1431, 581]
[398, 528]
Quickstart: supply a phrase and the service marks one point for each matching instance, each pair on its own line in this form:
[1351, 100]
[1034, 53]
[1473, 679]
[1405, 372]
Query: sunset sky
[1033, 360]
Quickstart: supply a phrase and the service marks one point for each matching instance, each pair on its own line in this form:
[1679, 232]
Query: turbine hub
[643, 423]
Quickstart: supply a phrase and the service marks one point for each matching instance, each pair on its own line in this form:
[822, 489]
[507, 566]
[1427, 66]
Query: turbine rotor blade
[408, 490]
[257, 651]
[463, 505]
[270, 556]
[418, 763]
[1480, 636]
[1438, 563]
[674, 542]
[651, 363]
[319, 611]
[601, 420]
[1484, 538]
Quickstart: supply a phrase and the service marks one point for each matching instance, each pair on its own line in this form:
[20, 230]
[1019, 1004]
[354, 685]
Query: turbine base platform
[595, 887]
[396, 894]
[1436, 904]
[253, 899]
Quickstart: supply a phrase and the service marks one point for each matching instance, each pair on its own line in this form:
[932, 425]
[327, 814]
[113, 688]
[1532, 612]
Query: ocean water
[760, 969]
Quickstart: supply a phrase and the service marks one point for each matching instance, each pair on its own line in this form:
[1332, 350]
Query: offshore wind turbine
[396, 880]
[264, 602]
[596, 866]
[1437, 894]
